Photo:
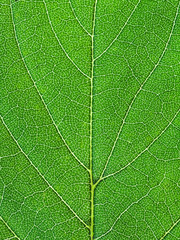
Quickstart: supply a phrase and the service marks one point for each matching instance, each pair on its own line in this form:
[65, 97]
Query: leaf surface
[89, 119]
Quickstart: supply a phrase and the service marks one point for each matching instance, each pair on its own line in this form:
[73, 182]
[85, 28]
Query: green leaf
[89, 143]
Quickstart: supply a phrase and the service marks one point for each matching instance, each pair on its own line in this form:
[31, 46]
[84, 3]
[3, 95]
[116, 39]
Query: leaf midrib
[91, 126]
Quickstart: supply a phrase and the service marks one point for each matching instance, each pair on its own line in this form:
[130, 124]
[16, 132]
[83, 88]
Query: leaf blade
[90, 124]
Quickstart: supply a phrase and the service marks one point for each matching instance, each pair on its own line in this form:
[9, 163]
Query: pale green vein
[170, 229]
[132, 204]
[146, 149]
[61, 44]
[137, 93]
[119, 31]
[11, 238]
[10, 229]
[42, 176]
[57, 129]
[91, 128]
[78, 19]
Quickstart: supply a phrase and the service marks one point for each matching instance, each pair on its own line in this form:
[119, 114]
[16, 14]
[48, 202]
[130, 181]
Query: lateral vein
[70, 3]
[146, 149]
[170, 229]
[60, 42]
[10, 229]
[69, 149]
[139, 90]
[132, 204]
[119, 32]
[42, 176]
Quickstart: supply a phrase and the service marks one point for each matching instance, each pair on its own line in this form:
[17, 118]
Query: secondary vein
[70, 3]
[137, 93]
[170, 229]
[15, 235]
[125, 24]
[73, 154]
[41, 175]
[146, 149]
[53, 124]
[60, 42]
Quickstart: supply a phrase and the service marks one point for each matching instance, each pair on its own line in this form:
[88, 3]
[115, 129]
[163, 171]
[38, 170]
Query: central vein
[91, 128]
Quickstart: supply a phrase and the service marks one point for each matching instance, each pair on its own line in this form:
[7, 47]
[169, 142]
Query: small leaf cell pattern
[89, 120]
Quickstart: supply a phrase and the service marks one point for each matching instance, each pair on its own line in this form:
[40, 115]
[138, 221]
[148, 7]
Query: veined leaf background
[89, 119]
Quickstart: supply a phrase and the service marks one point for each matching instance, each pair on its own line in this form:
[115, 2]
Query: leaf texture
[89, 104]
